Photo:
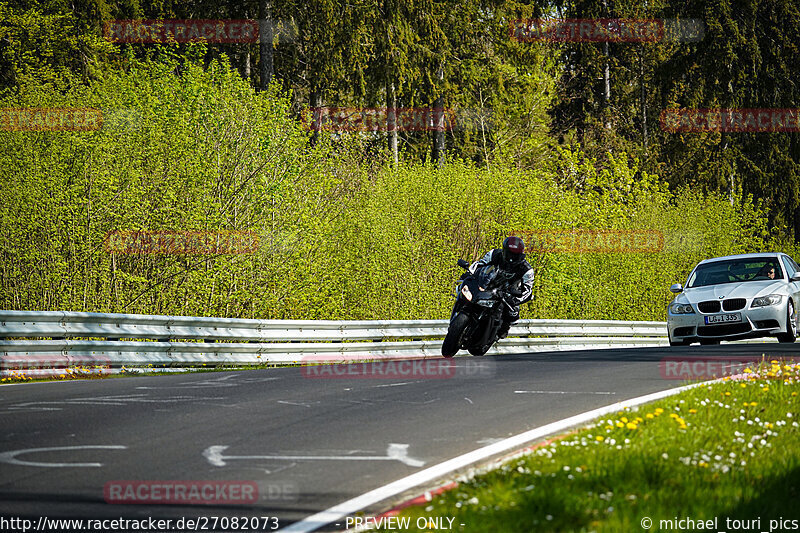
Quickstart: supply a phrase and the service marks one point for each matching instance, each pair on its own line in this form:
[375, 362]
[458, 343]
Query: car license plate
[724, 319]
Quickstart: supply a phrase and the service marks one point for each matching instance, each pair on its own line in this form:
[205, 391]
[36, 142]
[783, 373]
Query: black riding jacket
[523, 273]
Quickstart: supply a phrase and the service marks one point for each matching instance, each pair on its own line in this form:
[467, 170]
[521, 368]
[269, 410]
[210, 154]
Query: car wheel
[791, 325]
[709, 342]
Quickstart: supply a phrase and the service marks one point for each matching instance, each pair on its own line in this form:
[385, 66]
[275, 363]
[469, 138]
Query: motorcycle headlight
[681, 309]
[466, 292]
[764, 301]
[485, 303]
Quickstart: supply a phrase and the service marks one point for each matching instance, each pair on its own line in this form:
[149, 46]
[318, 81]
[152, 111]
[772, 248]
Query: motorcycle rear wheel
[452, 341]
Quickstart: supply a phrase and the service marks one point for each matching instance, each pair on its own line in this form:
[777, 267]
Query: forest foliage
[342, 232]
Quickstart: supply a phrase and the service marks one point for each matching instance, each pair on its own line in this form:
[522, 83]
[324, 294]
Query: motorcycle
[478, 311]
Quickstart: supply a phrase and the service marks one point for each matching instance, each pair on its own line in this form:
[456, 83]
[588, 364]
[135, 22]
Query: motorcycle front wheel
[452, 341]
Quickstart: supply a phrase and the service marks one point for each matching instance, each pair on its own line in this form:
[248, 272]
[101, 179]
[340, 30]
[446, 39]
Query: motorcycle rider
[510, 258]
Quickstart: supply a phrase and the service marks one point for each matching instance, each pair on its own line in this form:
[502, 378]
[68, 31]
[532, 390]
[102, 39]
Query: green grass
[728, 449]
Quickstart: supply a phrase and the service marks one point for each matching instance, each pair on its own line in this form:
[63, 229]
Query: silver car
[736, 297]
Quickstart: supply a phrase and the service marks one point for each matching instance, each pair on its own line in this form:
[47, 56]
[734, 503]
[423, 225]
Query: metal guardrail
[65, 338]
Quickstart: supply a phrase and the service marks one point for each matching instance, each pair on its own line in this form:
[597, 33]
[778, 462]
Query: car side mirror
[676, 288]
[795, 277]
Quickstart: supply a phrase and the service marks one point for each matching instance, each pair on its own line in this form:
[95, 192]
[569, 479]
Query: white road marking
[392, 384]
[257, 380]
[40, 382]
[560, 392]
[395, 452]
[106, 400]
[300, 404]
[380, 400]
[209, 383]
[11, 457]
[470, 401]
[350, 507]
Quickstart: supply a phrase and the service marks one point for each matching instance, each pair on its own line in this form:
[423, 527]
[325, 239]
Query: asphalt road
[296, 441]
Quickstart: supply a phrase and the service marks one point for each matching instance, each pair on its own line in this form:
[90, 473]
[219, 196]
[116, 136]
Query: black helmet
[513, 250]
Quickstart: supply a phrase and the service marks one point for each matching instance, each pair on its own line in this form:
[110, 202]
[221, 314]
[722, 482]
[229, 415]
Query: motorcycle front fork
[456, 307]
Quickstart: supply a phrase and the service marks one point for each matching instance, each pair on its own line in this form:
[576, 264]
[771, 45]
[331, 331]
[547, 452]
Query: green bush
[341, 235]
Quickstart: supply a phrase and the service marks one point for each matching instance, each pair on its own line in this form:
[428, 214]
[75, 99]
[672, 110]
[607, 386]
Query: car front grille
[734, 304]
[723, 329]
[710, 306]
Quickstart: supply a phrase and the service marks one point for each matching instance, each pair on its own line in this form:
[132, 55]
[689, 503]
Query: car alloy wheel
[791, 325]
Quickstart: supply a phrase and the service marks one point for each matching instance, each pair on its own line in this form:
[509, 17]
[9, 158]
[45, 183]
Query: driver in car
[510, 258]
[767, 271]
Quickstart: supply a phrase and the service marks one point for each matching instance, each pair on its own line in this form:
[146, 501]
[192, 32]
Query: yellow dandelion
[624, 419]
[693, 411]
[649, 416]
[659, 410]
[747, 371]
[600, 438]
[630, 425]
[620, 425]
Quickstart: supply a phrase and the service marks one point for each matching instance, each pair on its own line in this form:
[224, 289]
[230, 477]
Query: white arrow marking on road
[395, 452]
[11, 457]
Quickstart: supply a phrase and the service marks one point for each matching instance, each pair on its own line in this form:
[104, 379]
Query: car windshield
[736, 270]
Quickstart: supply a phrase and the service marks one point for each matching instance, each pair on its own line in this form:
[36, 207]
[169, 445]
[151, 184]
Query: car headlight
[681, 309]
[764, 301]
[466, 292]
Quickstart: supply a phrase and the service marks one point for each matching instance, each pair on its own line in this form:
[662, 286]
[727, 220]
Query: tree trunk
[437, 153]
[643, 97]
[794, 152]
[796, 225]
[606, 78]
[391, 114]
[314, 101]
[265, 39]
